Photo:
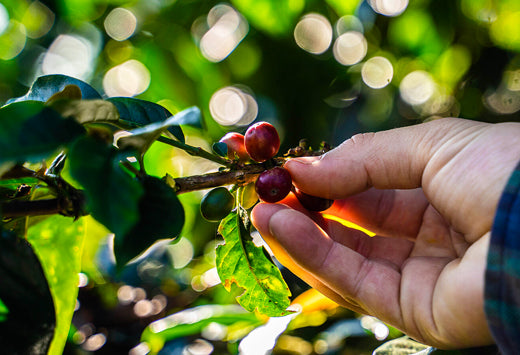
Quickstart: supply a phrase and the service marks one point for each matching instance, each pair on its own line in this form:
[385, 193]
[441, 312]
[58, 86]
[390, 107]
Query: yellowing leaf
[241, 262]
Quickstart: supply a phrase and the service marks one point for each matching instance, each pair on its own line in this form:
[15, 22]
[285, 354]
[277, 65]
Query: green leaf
[29, 325]
[143, 137]
[112, 195]
[58, 242]
[29, 131]
[192, 321]
[46, 86]
[141, 113]
[220, 148]
[161, 216]
[241, 262]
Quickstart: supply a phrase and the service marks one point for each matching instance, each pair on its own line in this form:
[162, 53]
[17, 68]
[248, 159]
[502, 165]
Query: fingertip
[262, 213]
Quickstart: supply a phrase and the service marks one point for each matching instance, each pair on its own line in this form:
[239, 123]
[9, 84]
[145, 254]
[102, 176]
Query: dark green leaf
[112, 195]
[220, 148]
[161, 216]
[140, 113]
[58, 242]
[29, 131]
[46, 86]
[241, 262]
[192, 321]
[29, 325]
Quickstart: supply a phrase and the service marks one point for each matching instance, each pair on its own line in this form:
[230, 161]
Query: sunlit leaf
[112, 195]
[239, 261]
[161, 216]
[403, 346]
[46, 86]
[141, 138]
[29, 325]
[58, 242]
[192, 321]
[141, 113]
[29, 131]
[88, 111]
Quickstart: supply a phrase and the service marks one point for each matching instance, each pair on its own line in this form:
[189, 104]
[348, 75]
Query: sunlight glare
[313, 33]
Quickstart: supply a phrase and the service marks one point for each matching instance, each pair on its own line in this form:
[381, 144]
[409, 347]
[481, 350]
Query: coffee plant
[65, 153]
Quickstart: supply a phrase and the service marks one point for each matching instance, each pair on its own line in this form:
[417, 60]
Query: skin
[430, 193]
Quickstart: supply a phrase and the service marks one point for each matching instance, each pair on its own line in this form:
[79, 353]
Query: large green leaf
[161, 216]
[112, 194]
[192, 321]
[141, 113]
[143, 137]
[30, 321]
[29, 131]
[46, 86]
[58, 242]
[239, 261]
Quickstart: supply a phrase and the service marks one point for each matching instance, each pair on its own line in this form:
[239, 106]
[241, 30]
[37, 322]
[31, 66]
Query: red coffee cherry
[312, 203]
[262, 141]
[274, 184]
[236, 145]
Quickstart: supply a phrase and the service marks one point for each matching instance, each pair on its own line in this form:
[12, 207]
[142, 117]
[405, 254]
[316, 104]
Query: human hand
[430, 193]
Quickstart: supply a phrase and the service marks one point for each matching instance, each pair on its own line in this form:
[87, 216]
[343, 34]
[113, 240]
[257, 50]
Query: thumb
[393, 159]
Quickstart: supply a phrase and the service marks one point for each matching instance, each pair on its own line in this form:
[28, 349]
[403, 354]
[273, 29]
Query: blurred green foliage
[447, 58]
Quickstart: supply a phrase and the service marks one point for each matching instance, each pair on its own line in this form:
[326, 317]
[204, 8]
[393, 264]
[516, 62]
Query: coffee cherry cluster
[260, 143]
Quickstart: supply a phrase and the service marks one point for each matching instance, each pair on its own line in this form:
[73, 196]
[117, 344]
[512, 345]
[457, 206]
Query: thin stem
[196, 151]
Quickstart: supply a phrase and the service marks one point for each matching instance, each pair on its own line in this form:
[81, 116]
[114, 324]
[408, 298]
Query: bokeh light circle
[377, 72]
[128, 79]
[120, 24]
[389, 7]
[350, 48]
[313, 33]
[232, 105]
[417, 87]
